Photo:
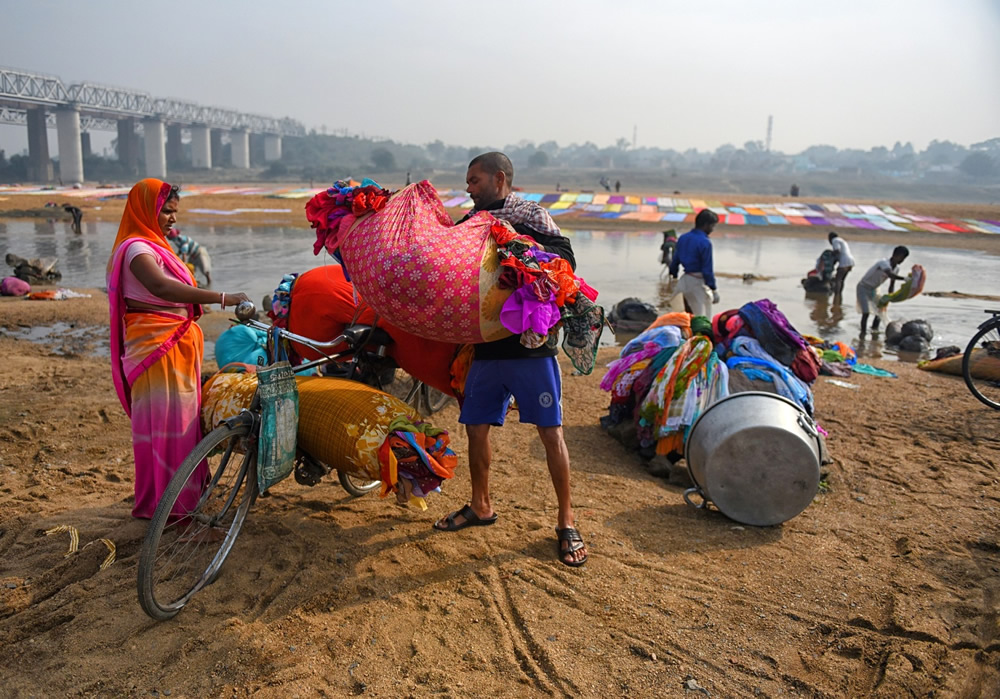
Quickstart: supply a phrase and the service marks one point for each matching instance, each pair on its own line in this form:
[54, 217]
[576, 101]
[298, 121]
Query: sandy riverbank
[886, 585]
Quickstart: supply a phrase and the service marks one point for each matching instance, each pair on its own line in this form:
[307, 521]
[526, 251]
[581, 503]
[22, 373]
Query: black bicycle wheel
[357, 486]
[183, 553]
[981, 365]
[432, 400]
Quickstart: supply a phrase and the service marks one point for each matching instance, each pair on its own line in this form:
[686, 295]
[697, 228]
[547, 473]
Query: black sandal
[570, 536]
[471, 520]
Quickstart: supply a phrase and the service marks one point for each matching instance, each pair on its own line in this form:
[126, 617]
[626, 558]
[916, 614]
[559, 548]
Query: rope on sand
[74, 537]
[110, 558]
[74, 544]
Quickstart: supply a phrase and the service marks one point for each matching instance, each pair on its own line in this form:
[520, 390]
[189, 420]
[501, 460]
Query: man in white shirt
[869, 284]
[845, 263]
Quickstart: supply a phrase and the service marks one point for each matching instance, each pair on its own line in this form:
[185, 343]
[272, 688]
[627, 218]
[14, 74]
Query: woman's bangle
[222, 299]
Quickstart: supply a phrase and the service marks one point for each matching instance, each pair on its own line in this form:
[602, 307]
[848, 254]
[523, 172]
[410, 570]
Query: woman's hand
[236, 299]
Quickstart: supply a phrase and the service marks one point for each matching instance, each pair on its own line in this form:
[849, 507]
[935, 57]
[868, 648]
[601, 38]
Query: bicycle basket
[279, 407]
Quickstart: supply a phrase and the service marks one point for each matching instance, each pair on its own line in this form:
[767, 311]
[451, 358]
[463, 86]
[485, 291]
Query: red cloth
[323, 305]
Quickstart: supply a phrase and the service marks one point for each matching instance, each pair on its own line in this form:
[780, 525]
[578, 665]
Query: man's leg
[557, 458]
[480, 457]
[864, 324]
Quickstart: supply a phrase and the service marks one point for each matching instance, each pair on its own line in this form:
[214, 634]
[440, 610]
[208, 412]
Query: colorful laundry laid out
[351, 427]
[474, 282]
[911, 286]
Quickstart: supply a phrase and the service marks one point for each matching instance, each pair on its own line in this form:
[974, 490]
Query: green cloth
[700, 325]
[860, 368]
[832, 356]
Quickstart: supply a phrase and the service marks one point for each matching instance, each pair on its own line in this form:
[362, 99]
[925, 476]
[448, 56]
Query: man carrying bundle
[506, 368]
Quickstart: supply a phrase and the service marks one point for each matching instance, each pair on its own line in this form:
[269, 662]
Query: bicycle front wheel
[184, 551]
[356, 486]
[981, 365]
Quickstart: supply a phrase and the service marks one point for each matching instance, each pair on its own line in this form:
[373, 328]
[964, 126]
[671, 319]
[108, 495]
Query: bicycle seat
[356, 334]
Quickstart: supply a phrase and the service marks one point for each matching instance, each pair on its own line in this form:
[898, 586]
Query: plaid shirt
[516, 210]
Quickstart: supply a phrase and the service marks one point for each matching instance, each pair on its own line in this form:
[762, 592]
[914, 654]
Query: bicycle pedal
[307, 473]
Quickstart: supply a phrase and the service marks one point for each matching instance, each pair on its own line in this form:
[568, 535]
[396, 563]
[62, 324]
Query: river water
[618, 264]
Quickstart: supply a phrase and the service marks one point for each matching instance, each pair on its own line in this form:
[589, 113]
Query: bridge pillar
[201, 147]
[39, 164]
[239, 145]
[85, 144]
[272, 147]
[128, 146]
[174, 149]
[70, 147]
[216, 139]
[156, 149]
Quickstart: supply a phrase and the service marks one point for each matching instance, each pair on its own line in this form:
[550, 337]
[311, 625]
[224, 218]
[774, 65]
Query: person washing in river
[869, 284]
[192, 253]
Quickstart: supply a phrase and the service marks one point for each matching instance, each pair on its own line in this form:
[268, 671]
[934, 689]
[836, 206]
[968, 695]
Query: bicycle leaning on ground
[181, 554]
[981, 362]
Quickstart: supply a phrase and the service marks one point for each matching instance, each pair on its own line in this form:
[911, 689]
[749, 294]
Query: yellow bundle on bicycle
[345, 424]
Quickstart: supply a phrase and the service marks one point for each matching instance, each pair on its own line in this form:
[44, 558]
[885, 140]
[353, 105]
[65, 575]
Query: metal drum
[756, 456]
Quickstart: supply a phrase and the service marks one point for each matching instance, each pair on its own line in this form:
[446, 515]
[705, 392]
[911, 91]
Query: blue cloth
[535, 382]
[241, 344]
[694, 251]
[186, 246]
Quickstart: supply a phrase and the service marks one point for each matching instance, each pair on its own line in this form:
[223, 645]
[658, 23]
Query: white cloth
[697, 295]
[844, 258]
[878, 273]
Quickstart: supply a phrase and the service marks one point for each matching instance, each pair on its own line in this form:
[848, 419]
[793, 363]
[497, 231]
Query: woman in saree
[156, 346]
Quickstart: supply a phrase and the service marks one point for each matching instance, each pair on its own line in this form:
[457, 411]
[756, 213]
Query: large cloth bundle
[353, 428]
[911, 286]
[424, 274]
[341, 423]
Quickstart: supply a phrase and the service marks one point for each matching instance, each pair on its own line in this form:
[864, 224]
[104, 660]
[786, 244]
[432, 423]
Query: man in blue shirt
[694, 253]
[191, 252]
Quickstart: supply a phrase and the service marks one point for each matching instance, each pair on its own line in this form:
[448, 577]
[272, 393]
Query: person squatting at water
[868, 286]
[505, 368]
[156, 347]
[845, 262]
[77, 215]
[694, 253]
[192, 253]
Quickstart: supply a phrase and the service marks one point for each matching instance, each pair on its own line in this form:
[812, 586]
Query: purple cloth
[12, 286]
[523, 311]
[772, 330]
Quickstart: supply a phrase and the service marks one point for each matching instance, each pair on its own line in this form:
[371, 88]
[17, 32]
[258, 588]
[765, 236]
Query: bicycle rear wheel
[432, 400]
[355, 485]
[181, 554]
[981, 365]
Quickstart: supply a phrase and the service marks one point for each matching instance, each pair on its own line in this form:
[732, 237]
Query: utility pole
[770, 124]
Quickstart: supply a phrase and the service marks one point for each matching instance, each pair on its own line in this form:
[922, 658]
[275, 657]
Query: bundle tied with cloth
[351, 427]
[474, 282]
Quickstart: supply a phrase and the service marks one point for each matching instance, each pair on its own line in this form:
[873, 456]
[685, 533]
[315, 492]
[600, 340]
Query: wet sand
[886, 585]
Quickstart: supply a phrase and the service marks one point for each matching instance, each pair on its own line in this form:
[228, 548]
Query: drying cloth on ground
[870, 370]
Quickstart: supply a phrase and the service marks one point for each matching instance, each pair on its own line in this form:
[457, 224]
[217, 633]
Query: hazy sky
[851, 73]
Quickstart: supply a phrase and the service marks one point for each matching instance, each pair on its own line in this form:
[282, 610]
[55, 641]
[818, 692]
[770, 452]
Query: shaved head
[492, 163]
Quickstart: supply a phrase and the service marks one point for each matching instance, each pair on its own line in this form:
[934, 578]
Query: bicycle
[981, 362]
[181, 555]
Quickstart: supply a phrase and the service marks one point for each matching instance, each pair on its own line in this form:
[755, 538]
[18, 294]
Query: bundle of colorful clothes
[664, 379]
[671, 373]
[473, 282]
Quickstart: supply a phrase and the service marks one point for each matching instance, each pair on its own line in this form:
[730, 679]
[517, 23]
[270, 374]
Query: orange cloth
[323, 305]
[680, 320]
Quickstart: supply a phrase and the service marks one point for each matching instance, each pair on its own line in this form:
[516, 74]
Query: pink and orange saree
[155, 361]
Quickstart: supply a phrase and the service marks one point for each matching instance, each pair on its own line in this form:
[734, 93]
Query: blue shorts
[535, 383]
